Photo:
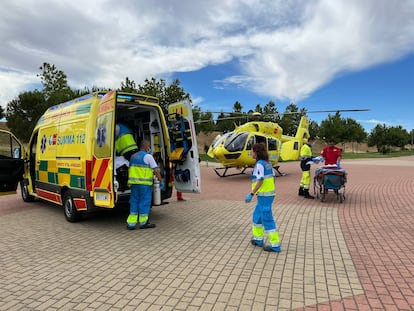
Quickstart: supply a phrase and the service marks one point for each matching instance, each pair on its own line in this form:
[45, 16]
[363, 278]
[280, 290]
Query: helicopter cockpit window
[220, 139]
[236, 142]
[272, 144]
[260, 139]
[250, 143]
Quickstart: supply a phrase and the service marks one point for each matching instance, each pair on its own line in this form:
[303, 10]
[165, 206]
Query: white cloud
[334, 37]
[14, 82]
[286, 49]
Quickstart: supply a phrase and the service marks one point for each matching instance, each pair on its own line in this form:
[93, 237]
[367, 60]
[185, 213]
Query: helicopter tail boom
[291, 145]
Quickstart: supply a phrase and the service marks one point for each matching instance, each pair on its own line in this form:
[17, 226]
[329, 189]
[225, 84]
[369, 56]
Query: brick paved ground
[352, 256]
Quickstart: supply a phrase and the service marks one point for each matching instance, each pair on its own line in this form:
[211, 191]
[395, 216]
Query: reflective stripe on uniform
[143, 219]
[139, 172]
[258, 231]
[125, 143]
[132, 220]
[274, 239]
[268, 186]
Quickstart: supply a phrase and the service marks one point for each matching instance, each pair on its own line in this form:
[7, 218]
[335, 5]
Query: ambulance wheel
[25, 191]
[71, 214]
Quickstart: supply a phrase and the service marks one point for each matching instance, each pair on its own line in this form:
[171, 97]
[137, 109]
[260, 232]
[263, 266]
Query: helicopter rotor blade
[239, 115]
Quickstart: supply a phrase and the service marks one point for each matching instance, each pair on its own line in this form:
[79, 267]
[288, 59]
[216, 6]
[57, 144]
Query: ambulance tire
[25, 191]
[71, 214]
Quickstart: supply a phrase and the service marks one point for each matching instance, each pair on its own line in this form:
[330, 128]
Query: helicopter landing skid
[224, 174]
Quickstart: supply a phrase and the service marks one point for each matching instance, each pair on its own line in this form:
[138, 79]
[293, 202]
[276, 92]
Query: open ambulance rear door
[11, 162]
[102, 157]
[184, 152]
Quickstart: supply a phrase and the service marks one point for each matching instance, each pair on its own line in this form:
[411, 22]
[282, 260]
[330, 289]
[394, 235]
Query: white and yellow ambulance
[71, 161]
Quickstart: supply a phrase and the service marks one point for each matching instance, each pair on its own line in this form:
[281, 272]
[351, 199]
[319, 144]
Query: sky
[318, 54]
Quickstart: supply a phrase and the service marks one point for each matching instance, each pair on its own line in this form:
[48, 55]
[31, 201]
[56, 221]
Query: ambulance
[71, 160]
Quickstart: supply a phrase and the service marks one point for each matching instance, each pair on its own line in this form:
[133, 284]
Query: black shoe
[130, 227]
[307, 195]
[147, 226]
[276, 249]
[256, 242]
[301, 192]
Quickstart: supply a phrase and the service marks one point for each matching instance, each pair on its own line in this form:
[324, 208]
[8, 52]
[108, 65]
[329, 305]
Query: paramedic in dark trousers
[305, 157]
[125, 144]
[263, 185]
[142, 168]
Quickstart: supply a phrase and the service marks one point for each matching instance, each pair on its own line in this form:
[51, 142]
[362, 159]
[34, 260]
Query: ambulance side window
[5, 146]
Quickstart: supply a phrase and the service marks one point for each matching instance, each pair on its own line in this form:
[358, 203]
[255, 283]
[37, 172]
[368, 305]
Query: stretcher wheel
[323, 197]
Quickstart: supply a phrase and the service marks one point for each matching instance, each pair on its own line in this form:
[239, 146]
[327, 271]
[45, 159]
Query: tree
[291, 119]
[332, 128]
[354, 132]
[203, 120]
[223, 123]
[55, 85]
[2, 113]
[237, 107]
[270, 112]
[397, 136]
[85, 90]
[258, 108]
[314, 129]
[128, 86]
[166, 94]
[384, 137]
[377, 138]
[24, 111]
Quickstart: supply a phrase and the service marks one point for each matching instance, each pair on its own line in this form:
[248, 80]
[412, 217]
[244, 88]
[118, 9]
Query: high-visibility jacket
[305, 157]
[124, 141]
[268, 186]
[140, 173]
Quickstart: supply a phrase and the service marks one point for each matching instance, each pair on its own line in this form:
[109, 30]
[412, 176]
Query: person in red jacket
[332, 154]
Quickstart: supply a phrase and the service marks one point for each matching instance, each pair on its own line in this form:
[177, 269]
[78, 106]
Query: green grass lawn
[393, 154]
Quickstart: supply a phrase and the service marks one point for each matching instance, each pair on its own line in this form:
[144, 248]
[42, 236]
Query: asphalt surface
[356, 255]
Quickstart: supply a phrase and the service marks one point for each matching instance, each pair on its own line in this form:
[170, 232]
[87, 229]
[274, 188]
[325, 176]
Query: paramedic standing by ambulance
[263, 185]
[305, 157]
[142, 168]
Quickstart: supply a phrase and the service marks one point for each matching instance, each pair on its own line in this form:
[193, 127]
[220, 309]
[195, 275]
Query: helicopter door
[11, 162]
[184, 151]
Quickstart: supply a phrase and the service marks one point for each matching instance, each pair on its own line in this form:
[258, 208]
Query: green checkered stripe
[63, 175]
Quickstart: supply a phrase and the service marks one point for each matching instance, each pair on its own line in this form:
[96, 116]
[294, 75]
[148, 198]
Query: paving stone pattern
[352, 256]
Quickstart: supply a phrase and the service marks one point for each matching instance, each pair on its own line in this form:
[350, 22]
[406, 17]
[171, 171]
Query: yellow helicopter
[232, 149]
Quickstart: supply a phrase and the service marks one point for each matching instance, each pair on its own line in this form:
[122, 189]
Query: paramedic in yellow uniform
[305, 157]
[125, 144]
[263, 185]
[142, 168]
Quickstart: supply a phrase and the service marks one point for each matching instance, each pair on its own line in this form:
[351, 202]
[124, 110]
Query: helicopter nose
[218, 153]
